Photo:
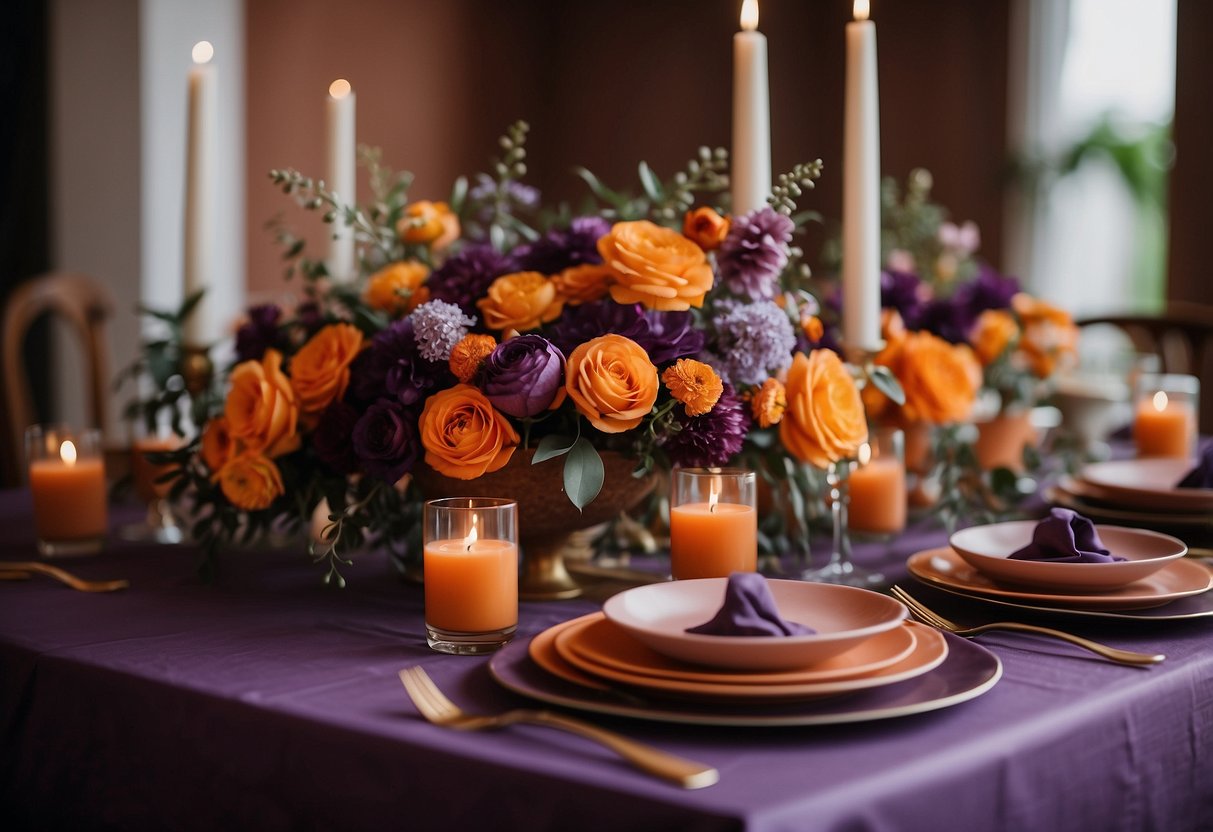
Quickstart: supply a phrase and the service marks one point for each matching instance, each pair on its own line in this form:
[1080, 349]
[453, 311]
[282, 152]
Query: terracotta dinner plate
[1151, 482]
[1178, 579]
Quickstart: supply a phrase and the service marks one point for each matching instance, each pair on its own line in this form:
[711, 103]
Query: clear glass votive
[713, 522]
[471, 573]
[878, 484]
[1165, 412]
[67, 479]
[160, 524]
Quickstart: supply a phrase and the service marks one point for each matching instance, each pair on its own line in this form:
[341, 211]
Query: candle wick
[712, 508]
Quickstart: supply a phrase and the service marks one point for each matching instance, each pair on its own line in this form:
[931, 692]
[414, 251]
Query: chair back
[83, 303]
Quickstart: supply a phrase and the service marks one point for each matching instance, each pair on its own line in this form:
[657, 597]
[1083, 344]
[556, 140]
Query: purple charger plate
[968, 671]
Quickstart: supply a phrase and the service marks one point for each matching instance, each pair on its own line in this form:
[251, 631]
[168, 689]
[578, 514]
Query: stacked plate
[1154, 579]
[1140, 492]
[865, 661]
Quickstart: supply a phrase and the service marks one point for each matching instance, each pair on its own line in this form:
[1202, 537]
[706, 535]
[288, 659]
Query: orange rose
[397, 287]
[521, 301]
[261, 410]
[705, 227]
[251, 482]
[429, 222]
[1049, 335]
[582, 284]
[813, 328]
[612, 382]
[695, 384]
[655, 266]
[824, 421]
[217, 444]
[320, 371]
[940, 380]
[992, 334]
[463, 435]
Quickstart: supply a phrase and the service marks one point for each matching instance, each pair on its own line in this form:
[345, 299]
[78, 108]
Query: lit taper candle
[199, 241]
[861, 188]
[751, 175]
[339, 109]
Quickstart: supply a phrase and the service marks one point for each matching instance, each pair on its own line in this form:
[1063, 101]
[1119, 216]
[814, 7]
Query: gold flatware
[435, 707]
[20, 569]
[934, 619]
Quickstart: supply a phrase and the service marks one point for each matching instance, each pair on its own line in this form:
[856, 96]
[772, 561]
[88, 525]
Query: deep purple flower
[906, 293]
[333, 438]
[751, 341]
[310, 316]
[953, 318]
[393, 366]
[665, 336]
[523, 375]
[711, 439]
[465, 277]
[562, 248]
[755, 252]
[259, 333]
[385, 440]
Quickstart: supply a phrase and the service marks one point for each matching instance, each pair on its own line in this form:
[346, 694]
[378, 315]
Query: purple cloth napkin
[1202, 475]
[749, 610]
[1065, 537]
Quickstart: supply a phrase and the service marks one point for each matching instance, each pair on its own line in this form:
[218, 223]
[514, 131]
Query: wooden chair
[83, 303]
[1182, 338]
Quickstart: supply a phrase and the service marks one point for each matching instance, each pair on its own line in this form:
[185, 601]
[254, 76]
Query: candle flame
[713, 497]
[67, 452]
[202, 52]
[749, 15]
[865, 453]
[862, 9]
[339, 89]
[473, 535]
[1160, 401]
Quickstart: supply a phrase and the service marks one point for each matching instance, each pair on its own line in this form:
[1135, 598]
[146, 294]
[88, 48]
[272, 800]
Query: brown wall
[606, 84]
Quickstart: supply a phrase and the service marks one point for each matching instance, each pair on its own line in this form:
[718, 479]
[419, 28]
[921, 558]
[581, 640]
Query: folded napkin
[749, 610]
[1065, 537]
[1202, 475]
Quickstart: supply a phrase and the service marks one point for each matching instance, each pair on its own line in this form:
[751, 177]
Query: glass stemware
[160, 524]
[840, 569]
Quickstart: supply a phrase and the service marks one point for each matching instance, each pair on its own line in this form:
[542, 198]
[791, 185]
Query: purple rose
[523, 375]
[333, 438]
[385, 440]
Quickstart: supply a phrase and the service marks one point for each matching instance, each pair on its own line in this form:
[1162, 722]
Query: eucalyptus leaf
[552, 445]
[458, 194]
[884, 381]
[652, 185]
[583, 473]
[600, 190]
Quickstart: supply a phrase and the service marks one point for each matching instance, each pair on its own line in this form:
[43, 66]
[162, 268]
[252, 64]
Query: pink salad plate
[930, 649]
[1150, 482]
[658, 615]
[1178, 579]
[987, 549]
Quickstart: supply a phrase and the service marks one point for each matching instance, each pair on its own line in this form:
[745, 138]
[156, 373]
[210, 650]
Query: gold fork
[934, 619]
[20, 569]
[437, 708]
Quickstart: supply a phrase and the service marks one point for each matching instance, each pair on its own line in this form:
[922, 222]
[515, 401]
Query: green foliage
[664, 202]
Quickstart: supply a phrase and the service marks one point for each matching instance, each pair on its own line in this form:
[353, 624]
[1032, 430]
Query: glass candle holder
[1165, 415]
[67, 479]
[713, 522]
[471, 573]
[160, 524]
[878, 484]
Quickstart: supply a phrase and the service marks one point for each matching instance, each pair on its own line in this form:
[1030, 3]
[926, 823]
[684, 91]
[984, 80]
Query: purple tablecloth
[268, 701]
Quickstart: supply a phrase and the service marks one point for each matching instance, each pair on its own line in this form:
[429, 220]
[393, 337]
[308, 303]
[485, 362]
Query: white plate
[988, 549]
[659, 615]
[969, 671]
[1151, 482]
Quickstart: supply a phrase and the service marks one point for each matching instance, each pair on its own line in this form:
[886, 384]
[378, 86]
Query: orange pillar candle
[711, 540]
[471, 587]
[1164, 426]
[145, 472]
[69, 498]
[878, 497]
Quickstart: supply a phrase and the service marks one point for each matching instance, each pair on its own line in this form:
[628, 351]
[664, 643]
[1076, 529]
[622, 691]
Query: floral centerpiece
[655, 327]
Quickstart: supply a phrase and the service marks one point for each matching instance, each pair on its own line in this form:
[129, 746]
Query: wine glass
[840, 569]
[160, 524]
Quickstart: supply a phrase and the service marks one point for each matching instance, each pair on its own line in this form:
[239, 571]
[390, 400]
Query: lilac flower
[711, 439]
[562, 248]
[333, 438]
[665, 336]
[517, 194]
[394, 366]
[259, 333]
[385, 440]
[755, 252]
[523, 375]
[752, 340]
[438, 326]
[465, 277]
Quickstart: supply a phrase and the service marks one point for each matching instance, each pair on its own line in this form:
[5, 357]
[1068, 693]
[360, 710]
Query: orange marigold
[705, 227]
[695, 384]
[469, 354]
[769, 403]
